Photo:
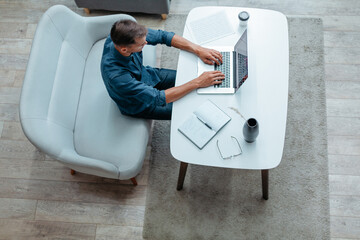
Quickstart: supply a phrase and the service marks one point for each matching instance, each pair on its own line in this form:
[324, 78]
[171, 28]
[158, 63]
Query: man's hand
[207, 79]
[209, 56]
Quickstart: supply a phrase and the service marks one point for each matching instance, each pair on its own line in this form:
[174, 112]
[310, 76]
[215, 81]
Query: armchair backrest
[54, 73]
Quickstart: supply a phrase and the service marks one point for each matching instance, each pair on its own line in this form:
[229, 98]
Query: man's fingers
[210, 62]
[219, 57]
[216, 59]
[218, 73]
[218, 78]
[218, 81]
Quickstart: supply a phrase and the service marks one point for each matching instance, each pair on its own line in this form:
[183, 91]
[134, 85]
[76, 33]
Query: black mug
[251, 130]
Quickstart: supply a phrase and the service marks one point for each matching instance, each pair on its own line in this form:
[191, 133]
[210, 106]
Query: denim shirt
[128, 82]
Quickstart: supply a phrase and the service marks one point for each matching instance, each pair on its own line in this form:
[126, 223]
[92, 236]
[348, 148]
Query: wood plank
[343, 108]
[12, 131]
[342, 39]
[343, 126]
[17, 208]
[15, 46]
[44, 170]
[35, 4]
[35, 230]
[111, 232]
[344, 145]
[341, 23]
[55, 171]
[14, 14]
[348, 72]
[13, 61]
[113, 214]
[19, 78]
[13, 30]
[336, 55]
[344, 165]
[1, 127]
[10, 95]
[19, 150]
[7, 77]
[344, 185]
[345, 227]
[343, 89]
[345, 206]
[73, 191]
[31, 29]
[9, 112]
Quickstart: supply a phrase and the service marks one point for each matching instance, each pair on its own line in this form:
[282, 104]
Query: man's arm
[209, 56]
[204, 80]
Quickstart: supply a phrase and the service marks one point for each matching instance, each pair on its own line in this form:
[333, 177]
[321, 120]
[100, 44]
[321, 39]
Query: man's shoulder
[107, 45]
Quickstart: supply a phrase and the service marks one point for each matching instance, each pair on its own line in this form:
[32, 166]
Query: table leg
[182, 173]
[265, 183]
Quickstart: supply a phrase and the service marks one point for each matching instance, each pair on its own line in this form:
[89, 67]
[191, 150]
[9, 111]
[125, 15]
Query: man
[147, 92]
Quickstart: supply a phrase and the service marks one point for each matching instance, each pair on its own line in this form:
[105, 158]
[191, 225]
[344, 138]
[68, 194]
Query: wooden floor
[39, 199]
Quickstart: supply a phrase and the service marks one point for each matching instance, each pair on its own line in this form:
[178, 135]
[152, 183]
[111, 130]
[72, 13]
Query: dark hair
[124, 32]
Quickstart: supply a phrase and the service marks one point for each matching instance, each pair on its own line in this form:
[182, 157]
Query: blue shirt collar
[118, 55]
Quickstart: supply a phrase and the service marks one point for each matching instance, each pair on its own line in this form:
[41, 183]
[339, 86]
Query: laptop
[234, 66]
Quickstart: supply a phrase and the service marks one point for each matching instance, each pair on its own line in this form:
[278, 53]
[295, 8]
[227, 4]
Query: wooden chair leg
[164, 16]
[133, 180]
[72, 172]
[87, 11]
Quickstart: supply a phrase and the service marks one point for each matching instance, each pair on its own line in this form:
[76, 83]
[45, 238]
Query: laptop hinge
[234, 69]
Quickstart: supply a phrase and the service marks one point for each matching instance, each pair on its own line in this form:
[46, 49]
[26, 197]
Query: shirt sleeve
[159, 37]
[135, 96]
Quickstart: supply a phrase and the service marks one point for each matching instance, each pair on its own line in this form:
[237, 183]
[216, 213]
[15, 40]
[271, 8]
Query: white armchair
[65, 110]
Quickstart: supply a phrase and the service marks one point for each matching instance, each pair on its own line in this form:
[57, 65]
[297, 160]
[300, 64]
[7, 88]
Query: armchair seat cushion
[101, 131]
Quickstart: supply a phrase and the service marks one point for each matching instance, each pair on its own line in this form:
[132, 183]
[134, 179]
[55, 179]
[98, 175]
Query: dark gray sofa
[144, 6]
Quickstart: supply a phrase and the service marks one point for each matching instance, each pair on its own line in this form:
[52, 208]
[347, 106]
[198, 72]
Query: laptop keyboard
[225, 69]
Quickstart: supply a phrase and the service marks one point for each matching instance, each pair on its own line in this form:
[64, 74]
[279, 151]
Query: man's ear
[121, 49]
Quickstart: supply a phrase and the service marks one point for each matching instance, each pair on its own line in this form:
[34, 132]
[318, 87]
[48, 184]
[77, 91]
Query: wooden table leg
[265, 183]
[182, 173]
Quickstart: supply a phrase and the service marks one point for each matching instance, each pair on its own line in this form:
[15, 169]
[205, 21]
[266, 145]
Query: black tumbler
[251, 130]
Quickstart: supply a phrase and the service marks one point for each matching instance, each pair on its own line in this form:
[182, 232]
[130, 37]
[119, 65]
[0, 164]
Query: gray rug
[227, 204]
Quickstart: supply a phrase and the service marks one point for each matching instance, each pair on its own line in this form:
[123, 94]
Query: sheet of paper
[210, 28]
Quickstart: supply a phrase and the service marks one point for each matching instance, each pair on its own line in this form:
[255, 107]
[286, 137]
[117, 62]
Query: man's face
[138, 45]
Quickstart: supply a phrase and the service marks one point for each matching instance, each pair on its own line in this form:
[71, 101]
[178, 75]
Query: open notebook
[204, 123]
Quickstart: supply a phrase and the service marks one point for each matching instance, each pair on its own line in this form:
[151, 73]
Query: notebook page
[210, 28]
[196, 131]
[212, 115]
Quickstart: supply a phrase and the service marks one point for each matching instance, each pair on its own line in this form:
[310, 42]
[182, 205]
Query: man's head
[128, 36]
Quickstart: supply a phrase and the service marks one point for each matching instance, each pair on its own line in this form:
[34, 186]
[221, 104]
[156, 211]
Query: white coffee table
[263, 96]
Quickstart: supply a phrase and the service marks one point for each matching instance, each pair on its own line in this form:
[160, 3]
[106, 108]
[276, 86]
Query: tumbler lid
[244, 16]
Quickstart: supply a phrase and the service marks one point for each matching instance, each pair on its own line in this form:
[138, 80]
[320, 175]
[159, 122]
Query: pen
[204, 122]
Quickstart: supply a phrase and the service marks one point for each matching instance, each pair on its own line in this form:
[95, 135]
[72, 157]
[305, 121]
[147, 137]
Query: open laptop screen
[242, 60]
